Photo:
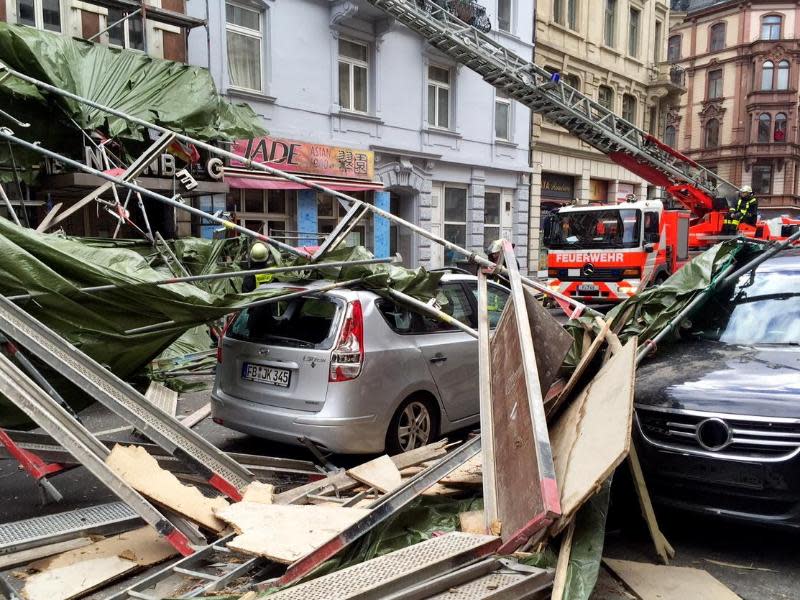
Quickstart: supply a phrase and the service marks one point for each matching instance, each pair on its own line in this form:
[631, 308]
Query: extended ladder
[546, 94]
[221, 471]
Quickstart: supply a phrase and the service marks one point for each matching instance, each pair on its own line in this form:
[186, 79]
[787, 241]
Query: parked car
[718, 415]
[351, 371]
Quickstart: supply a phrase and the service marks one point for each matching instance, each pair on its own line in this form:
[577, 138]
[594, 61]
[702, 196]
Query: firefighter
[746, 211]
[258, 260]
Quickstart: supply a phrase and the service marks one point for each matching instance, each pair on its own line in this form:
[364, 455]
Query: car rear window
[306, 322]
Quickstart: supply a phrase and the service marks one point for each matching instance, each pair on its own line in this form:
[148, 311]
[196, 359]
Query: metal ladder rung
[198, 574]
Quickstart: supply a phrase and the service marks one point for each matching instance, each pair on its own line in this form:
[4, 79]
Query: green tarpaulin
[171, 94]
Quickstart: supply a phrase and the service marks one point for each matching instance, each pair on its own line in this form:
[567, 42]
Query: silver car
[351, 371]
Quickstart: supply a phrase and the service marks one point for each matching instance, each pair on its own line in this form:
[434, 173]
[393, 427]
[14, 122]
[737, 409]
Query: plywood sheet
[77, 572]
[257, 491]
[380, 473]
[592, 436]
[656, 582]
[550, 340]
[286, 533]
[141, 471]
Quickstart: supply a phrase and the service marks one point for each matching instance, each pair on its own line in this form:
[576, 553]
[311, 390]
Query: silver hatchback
[351, 371]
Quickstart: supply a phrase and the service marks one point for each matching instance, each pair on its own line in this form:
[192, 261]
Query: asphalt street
[757, 564]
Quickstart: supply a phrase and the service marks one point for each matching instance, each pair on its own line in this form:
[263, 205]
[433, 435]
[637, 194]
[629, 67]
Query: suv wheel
[415, 424]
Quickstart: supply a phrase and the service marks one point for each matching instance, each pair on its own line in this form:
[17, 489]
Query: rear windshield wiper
[289, 341]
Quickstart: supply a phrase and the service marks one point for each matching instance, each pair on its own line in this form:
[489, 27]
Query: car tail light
[228, 323]
[348, 354]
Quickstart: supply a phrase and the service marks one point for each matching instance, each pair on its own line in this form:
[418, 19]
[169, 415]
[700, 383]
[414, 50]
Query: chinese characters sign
[304, 157]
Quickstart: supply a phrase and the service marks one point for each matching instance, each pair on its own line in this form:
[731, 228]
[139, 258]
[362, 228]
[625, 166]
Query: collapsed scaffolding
[519, 363]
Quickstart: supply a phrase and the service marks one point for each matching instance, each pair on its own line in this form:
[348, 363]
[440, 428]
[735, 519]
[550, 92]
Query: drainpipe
[532, 269]
[208, 37]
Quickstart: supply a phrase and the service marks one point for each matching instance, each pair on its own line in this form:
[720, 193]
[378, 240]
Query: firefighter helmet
[745, 189]
[258, 252]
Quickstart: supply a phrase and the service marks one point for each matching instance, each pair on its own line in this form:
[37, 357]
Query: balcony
[669, 81]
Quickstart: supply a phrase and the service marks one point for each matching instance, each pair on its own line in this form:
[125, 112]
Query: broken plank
[77, 572]
[562, 567]
[342, 481]
[285, 533]
[197, 416]
[663, 548]
[657, 582]
[259, 492]
[593, 434]
[467, 475]
[140, 470]
[380, 473]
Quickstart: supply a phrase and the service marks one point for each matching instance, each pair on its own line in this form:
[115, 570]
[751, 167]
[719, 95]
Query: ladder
[220, 470]
[168, 256]
[544, 93]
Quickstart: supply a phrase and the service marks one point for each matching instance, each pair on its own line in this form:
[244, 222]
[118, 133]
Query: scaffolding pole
[564, 301]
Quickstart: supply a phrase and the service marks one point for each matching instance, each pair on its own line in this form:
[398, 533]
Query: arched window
[783, 75]
[780, 127]
[605, 97]
[712, 133]
[717, 37]
[767, 75]
[771, 27]
[670, 136]
[674, 48]
[764, 127]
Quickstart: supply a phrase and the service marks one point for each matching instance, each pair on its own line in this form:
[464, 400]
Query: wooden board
[141, 471]
[467, 475]
[550, 340]
[259, 492]
[286, 533]
[657, 582]
[380, 473]
[25, 556]
[77, 572]
[593, 435]
[472, 521]
[562, 567]
[525, 481]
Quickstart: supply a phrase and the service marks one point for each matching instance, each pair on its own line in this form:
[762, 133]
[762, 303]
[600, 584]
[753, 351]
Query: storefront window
[265, 211]
[330, 211]
[455, 220]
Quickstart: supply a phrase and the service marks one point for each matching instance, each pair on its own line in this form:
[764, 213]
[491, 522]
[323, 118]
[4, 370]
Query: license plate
[267, 375]
[587, 287]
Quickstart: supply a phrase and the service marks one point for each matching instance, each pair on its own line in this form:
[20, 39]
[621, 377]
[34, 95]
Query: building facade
[614, 52]
[739, 118]
[397, 122]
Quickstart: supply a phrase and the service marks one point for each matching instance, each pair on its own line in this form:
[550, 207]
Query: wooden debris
[162, 398]
[197, 416]
[467, 475]
[25, 556]
[342, 481]
[77, 572]
[259, 492]
[592, 436]
[285, 533]
[141, 471]
[562, 567]
[380, 473]
[663, 548]
[472, 521]
[657, 582]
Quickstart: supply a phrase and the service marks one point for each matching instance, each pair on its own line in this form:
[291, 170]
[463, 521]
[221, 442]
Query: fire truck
[609, 252]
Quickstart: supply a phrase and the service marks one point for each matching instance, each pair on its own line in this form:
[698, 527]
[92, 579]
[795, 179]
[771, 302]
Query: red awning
[243, 179]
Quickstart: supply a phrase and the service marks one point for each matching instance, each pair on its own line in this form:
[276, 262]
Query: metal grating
[378, 572]
[30, 533]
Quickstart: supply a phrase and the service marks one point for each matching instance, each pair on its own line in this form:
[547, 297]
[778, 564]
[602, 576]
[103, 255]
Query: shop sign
[166, 165]
[558, 186]
[305, 157]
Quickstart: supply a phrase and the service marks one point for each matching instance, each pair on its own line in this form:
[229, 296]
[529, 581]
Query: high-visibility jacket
[746, 211]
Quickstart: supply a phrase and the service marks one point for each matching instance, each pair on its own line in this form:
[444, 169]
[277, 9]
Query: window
[565, 12]
[456, 304]
[573, 81]
[491, 217]
[764, 127]
[42, 14]
[657, 45]
[715, 84]
[670, 136]
[504, 15]
[438, 97]
[610, 31]
[771, 27]
[330, 211]
[266, 211]
[783, 75]
[780, 127]
[629, 108]
[767, 75]
[634, 21]
[496, 300]
[674, 48]
[243, 31]
[455, 220]
[502, 116]
[652, 232]
[762, 179]
[353, 76]
[717, 37]
[605, 97]
[129, 33]
[712, 134]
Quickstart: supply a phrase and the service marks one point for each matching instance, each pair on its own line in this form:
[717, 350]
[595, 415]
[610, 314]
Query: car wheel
[414, 424]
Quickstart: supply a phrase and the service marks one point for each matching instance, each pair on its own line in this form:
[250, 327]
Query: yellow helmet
[745, 189]
[258, 252]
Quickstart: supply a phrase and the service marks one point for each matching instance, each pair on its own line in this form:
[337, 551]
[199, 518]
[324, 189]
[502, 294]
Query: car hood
[716, 377]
